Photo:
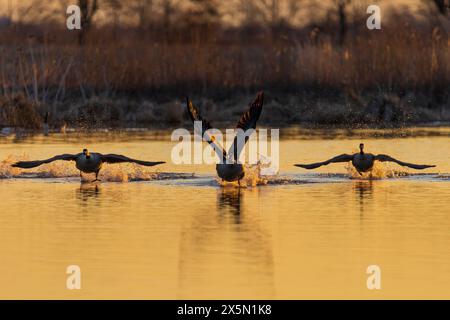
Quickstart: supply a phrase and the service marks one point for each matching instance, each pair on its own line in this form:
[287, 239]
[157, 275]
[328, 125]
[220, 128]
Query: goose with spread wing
[363, 162]
[229, 168]
[86, 161]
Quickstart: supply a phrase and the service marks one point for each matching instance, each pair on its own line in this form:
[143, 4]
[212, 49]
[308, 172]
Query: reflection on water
[174, 234]
[364, 192]
[227, 253]
[88, 191]
[229, 201]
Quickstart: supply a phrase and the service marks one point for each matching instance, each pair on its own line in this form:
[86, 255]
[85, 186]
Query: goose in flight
[86, 162]
[229, 169]
[363, 162]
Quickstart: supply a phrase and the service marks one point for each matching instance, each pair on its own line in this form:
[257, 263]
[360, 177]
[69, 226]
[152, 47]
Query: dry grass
[17, 111]
[124, 78]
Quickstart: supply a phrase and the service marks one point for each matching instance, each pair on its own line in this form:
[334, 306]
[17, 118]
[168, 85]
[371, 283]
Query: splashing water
[57, 169]
[255, 174]
[379, 171]
[64, 169]
[131, 172]
[6, 171]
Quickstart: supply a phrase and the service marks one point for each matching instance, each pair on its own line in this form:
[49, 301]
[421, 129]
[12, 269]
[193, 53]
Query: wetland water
[173, 232]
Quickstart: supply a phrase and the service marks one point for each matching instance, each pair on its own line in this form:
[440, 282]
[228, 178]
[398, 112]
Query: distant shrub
[18, 111]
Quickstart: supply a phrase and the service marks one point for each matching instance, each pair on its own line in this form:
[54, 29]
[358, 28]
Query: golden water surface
[174, 235]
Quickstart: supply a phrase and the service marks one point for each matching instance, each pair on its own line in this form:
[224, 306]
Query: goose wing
[36, 163]
[247, 121]
[117, 158]
[194, 114]
[340, 158]
[384, 158]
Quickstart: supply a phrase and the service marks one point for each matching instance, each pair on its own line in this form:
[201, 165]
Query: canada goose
[86, 162]
[363, 162]
[229, 169]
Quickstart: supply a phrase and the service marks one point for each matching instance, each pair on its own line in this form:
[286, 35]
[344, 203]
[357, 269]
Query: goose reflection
[364, 191]
[88, 191]
[229, 201]
[224, 253]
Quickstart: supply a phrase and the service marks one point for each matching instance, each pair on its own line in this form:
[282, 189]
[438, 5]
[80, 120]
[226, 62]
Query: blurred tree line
[205, 20]
[161, 48]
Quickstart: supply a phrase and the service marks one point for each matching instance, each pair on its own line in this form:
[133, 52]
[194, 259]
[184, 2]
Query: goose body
[229, 169]
[363, 162]
[86, 162]
[90, 164]
[230, 172]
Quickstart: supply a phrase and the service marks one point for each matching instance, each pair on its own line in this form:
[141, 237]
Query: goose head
[361, 148]
[86, 153]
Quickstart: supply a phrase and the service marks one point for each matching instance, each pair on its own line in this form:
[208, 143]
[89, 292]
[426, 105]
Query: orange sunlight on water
[168, 234]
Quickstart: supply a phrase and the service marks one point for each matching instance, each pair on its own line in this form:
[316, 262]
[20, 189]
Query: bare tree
[206, 11]
[442, 5]
[144, 9]
[342, 18]
[247, 8]
[88, 9]
[293, 8]
[9, 12]
[271, 8]
[203, 15]
[168, 10]
[34, 10]
[115, 7]
[439, 37]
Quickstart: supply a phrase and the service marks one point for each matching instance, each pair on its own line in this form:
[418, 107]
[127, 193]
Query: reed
[52, 72]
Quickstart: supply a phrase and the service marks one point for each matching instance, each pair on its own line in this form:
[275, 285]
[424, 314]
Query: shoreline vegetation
[297, 132]
[322, 74]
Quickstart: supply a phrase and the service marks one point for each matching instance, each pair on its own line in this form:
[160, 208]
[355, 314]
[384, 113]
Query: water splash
[286, 180]
[379, 171]
[6, 171]
[63, 169]
[252, 178]
[255, 174]
[132, 172]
